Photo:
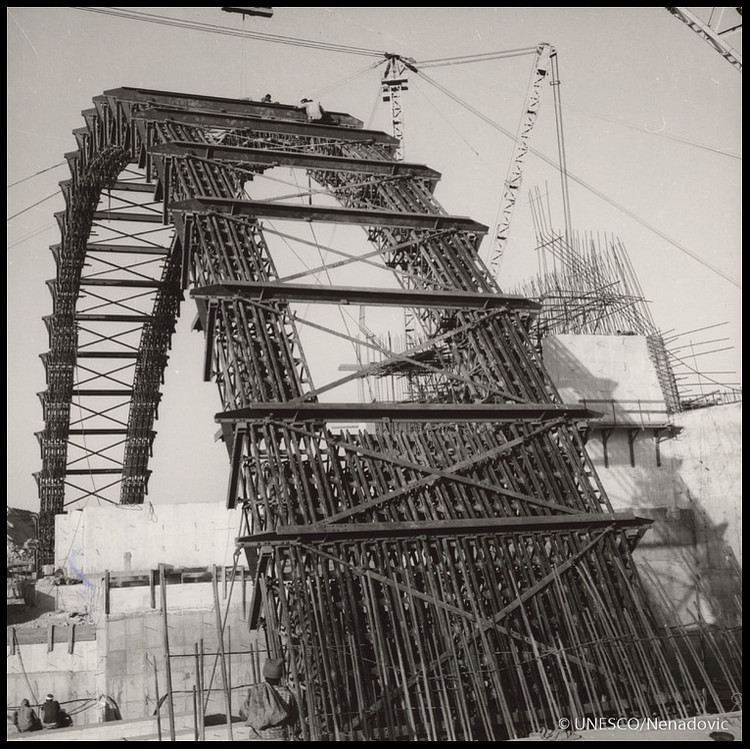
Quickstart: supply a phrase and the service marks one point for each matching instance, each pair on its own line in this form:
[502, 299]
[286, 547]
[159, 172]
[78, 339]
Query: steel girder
[512, 600]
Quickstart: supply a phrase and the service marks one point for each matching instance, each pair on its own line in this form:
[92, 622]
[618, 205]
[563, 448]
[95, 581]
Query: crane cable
[582, 182]
[228, 31]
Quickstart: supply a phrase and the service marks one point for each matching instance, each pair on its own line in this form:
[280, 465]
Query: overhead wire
[228, 31]
[480, 57]
[657, 133]
[583, 183]
[31, 234]
[33, 205]
[447, 121]
[348, 79]
[41, 171]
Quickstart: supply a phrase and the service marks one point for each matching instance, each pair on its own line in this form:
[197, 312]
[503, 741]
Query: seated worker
[53, 716]
[25, 719]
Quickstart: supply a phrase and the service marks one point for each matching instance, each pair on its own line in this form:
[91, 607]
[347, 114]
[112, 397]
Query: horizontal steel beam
[143, 218]
[99, 393]
[97, 432]
[124, 186]
[96, 317]
[287, 534]
[122, 282]
[193, 102]
[132, 249]
[361, 295]
[91, 471]
[282, 127]
[268, 157]
[425, 412]
[107, 355]
[299, 212]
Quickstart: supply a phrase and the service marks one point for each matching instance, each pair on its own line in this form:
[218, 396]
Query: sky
[652, 122]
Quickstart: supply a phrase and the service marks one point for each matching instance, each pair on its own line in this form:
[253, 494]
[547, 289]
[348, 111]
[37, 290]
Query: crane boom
[712, 34]
[515, 171]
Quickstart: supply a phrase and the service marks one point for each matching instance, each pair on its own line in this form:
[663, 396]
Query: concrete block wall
[89, 597]
[133, 641]
[611, 374]
[33, 671]
[694, 498]
[692, 490]
[140, 537]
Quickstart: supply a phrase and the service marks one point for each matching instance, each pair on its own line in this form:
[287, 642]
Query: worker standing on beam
[313, 110]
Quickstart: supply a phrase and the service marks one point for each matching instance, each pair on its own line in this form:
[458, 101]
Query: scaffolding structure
[453, 572]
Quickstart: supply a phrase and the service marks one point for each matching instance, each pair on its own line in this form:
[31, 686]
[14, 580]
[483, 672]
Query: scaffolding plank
[232, 121]
[221, 105]
[284, 534]
[269, 157]
[362, 295]
[423, 412]
[132, 249]
[298, 212]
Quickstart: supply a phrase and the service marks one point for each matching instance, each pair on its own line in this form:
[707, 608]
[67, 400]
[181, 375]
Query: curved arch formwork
[455, 571]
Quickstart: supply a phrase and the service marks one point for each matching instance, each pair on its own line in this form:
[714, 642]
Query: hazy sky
[652, 120]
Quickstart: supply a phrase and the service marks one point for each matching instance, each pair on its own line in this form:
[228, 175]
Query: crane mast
[393, 82]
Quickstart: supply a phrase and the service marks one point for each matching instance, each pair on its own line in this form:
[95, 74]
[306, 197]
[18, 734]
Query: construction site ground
[698, 728]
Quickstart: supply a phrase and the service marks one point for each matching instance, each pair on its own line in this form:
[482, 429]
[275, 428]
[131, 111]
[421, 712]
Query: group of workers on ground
[25, 718]
[269, 709]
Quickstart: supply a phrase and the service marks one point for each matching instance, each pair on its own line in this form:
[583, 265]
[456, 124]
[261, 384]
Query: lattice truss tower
[453, 571]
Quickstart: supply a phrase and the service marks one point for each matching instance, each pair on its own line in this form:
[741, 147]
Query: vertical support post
[207, 693]
[71, 638]
[199, 682]
[195, 715]
[209, 350]
[244, 594]
[158, 699]
[229, 665]
[605, 437]
[166, 189]
[152, 588]
[234, 476]
[632, 434]
[222, 656]
[106, 592]
[167, 663]
[50, 638]
[186, 240]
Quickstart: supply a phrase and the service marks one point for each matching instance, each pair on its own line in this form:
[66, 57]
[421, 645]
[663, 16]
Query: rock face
[21, 532]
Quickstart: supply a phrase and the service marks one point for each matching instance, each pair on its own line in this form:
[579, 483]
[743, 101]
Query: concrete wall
[33, 671]
[88, 597]
[688, 480]
[612, 374]
[128, 640]
[119, 663]
[695, 499]
[708, 450]
[140, 537]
